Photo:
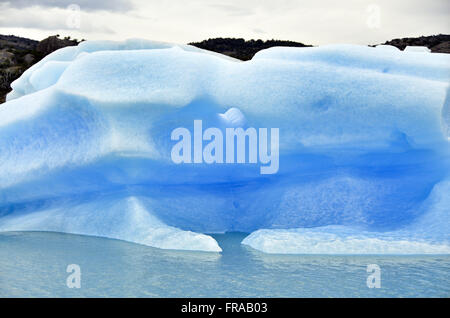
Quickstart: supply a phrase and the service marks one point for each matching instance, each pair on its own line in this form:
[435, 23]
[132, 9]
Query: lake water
[33, 264]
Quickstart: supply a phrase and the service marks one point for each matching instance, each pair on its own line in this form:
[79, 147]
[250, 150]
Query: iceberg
[111, 216]
[364, 153]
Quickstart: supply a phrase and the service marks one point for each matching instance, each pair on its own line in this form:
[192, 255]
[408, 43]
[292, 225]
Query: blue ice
[364, 148]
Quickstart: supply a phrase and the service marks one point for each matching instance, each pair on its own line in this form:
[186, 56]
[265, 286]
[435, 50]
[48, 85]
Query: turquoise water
[33, 264]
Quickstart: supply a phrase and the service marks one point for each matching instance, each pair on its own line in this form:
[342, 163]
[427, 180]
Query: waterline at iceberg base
[33, 264]
[85, 148]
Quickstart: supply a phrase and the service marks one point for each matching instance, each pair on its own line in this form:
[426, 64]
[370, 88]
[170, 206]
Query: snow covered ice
[85, 148]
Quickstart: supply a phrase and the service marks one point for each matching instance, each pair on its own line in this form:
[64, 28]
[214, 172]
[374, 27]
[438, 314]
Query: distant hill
[436, 43]
[241, 49]
[18, 54]
[15, 42]
[245, 50]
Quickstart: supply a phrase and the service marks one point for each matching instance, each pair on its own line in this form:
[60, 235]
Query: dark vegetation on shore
[241, 49]
[18, 54]
[436, 43]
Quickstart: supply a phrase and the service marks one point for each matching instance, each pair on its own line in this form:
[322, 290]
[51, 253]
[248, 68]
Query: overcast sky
[308, 21]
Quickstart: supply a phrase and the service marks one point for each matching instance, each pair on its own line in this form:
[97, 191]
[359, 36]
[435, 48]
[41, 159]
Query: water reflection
[34, 264]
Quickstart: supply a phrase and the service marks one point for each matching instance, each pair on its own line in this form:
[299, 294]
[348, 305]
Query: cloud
[88, 5]
[307, 21]
[49, 20]
[259, 31]
[232, 10]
